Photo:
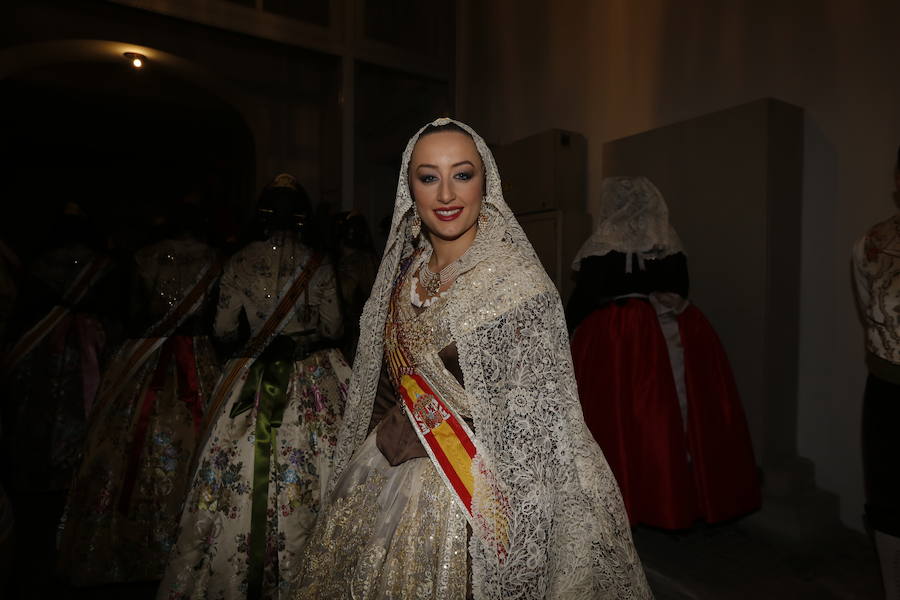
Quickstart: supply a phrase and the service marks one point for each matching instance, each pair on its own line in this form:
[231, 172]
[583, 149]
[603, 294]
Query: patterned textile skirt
[214, 556]
[124, 505]
[388, 532]
[49, 395]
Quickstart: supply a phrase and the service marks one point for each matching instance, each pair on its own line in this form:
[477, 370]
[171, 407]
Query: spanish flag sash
[135, 352]
[446, 437]
[86, 278]
[237, 368]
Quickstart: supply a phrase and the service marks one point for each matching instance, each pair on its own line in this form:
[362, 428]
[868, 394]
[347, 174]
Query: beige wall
[612, 68]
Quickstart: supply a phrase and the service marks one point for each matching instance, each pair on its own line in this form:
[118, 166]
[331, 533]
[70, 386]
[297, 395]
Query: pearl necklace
[433, 282]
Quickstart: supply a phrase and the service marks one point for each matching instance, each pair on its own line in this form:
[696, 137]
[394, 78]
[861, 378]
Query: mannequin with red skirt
[655, 383]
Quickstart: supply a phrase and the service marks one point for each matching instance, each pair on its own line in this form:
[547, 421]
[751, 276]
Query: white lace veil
[634, 220]
[367, 365]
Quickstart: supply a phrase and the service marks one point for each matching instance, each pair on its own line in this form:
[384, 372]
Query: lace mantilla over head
[633, 219]
[367, 366]
[566, 535]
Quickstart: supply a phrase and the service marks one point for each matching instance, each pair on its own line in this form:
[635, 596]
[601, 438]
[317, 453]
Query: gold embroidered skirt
[388, 532]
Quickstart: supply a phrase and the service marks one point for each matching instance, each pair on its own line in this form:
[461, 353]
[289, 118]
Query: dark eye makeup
[461, 176]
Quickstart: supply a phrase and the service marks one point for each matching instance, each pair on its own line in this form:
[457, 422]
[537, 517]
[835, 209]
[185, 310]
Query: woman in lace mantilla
[481, 480]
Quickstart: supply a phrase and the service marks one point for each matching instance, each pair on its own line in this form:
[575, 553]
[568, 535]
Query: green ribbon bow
[268, 380]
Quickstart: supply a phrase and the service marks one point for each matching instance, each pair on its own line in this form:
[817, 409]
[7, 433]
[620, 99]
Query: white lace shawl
[634, 220]
[568, 534]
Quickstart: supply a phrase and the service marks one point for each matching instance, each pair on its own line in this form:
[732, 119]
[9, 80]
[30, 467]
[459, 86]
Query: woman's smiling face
[446, 178]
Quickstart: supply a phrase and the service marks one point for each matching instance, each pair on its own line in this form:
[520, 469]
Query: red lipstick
[448, 213]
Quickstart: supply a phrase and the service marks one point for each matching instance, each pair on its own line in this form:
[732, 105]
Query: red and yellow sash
[88, 275]
[446, 437]
[135, 352]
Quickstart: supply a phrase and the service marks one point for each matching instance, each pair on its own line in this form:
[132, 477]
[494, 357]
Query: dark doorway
[121, 143]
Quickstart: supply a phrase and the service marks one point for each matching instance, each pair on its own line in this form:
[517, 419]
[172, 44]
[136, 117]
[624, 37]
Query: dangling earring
[483, 216]
[415, 226]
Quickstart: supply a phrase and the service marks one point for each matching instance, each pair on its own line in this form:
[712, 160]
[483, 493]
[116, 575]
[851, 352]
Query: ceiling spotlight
[137, 60]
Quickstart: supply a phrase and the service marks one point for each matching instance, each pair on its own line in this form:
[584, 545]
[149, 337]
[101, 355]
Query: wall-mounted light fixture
[137, 60]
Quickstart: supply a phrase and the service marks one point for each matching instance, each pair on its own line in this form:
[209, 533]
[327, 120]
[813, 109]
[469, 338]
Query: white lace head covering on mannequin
[633, 220]
[547, 517]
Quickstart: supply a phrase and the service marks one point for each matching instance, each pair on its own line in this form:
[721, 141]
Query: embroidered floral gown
[213, 558]
[123, 508]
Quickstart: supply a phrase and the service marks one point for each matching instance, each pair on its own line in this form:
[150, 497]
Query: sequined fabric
[166, 271]
[391, 532]
[423, 334]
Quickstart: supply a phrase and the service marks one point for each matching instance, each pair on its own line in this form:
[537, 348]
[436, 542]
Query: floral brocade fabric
[211, 557]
